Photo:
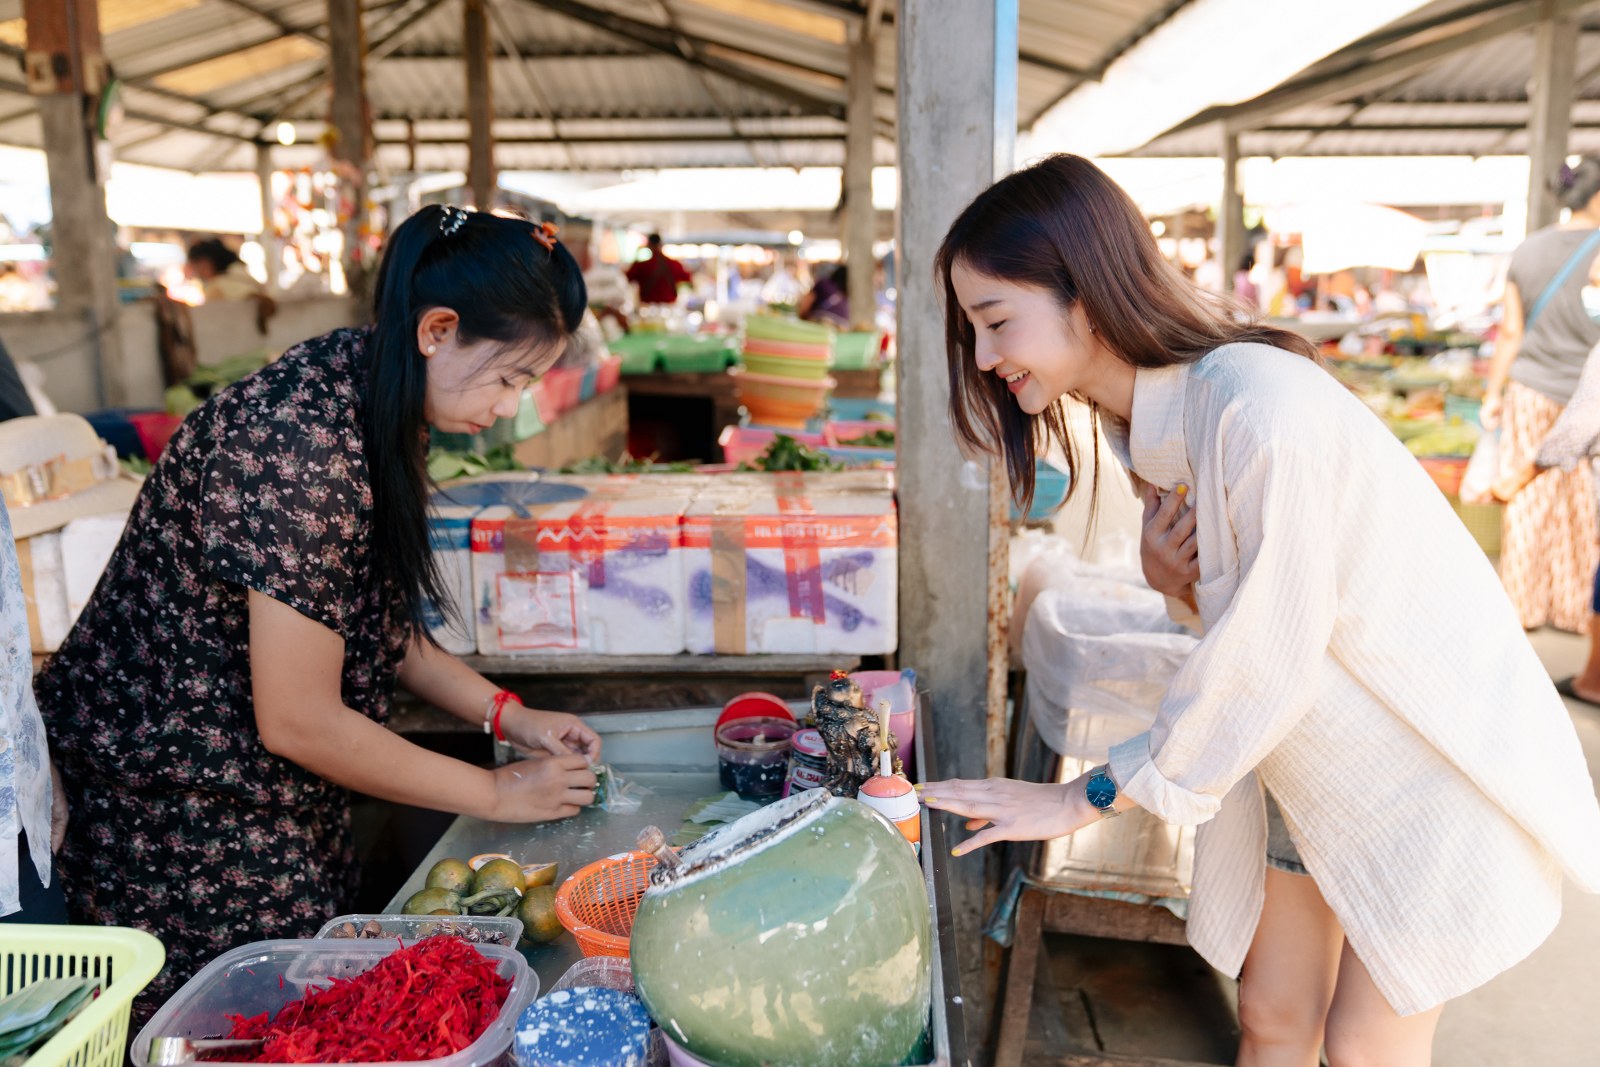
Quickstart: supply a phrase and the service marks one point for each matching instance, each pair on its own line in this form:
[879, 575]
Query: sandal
[1566, 689]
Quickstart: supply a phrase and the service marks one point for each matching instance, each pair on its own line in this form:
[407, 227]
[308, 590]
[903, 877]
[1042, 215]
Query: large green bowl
[796, 937]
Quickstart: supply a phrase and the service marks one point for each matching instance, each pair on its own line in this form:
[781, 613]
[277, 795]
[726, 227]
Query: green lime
[498, 876]
[537, 910]
[451, 874]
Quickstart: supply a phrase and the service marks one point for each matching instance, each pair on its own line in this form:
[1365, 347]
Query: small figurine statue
[851, 733]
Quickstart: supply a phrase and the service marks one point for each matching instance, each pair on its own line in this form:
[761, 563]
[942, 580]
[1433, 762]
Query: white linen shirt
[1362, 660]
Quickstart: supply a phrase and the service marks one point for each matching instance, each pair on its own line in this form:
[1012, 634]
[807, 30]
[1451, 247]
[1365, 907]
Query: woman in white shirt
[1363, 707]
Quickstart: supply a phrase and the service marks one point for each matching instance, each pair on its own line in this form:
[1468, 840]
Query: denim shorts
[1281, 853]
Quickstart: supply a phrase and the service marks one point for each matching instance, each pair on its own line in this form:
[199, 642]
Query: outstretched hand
[1004, 809]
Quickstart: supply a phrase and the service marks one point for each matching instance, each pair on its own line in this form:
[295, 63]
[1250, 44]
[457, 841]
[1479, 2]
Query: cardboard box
[793, 563]
[60, 570]
[602, 574]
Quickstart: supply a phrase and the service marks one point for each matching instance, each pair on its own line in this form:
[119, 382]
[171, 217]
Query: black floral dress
[183, 824]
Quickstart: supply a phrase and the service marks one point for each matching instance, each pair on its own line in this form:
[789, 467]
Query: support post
[1230, 213]
[271, 247]
[957, 99]
[481, 177]
[347, 48]
[1555, 62]
[66, 73]
[860, 216]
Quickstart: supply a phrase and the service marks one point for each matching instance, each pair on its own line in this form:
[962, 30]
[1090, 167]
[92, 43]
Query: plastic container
[1050, 485]
[546, 401]
[697, 354]
[856, 350]
[861, 409]
[755, 706]
[780, 401]
[842, 432]
[637, 353]
[585, 1026]
[783, 328]
[1446, 472]
[124, 960]
[598, 902]
[606, 972]
[786, 367]
[567, 385]
[587, 386]
[1484, 522]
[899, 690]
[479, 929]
[744, 444]
[678, 1056]
[753, 755]
[756, 346]
[608, 375]
[255, 978]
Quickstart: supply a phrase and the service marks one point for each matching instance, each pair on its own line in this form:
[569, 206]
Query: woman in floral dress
[227, 684]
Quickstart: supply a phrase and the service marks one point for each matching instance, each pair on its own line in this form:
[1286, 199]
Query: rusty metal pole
[66, 73]
[481, 177]
[347, 48]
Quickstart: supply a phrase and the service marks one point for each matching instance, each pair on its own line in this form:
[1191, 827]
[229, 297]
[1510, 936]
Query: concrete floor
[1162, 1001]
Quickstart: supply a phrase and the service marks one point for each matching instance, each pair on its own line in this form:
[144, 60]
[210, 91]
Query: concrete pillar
[860, 217]
[349, 114]
[957, 99]
[271, 247]
[475, 44]
[66, 74]
[1230, 214]
[1555, 62]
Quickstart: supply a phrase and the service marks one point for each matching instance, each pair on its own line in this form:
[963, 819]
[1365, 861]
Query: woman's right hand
[542, 788]
[1168, 554]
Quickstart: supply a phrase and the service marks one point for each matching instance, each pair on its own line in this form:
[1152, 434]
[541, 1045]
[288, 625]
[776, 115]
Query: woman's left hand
[558, 732]
[1004, 809]
[1511, 484]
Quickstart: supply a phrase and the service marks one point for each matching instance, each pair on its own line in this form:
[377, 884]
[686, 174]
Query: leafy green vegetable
[787, 454]
[444, 464]
[875, 439]
[625, 464]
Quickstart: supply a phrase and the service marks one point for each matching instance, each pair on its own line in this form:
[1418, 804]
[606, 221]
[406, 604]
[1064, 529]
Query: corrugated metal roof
[672, 62]
[672, 73]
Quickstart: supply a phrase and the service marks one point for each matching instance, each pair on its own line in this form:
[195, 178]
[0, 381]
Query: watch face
[1101, 791]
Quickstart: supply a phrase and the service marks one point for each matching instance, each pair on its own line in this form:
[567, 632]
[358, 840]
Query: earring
[432, 349]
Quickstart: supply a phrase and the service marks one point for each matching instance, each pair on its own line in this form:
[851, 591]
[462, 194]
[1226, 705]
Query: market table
[670, 753]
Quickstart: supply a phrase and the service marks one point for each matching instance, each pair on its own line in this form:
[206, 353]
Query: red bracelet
[491, 720]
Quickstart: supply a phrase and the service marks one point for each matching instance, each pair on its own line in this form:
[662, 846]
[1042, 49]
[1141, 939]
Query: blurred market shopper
[1389, 790]
[33, 813]
[223, 276]
[658, 275]
[229, 680]
[1574, 439]
[1548, 551]
[829, 299]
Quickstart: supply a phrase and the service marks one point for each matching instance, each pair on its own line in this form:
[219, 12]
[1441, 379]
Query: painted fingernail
[1183, 490]
[955, 852]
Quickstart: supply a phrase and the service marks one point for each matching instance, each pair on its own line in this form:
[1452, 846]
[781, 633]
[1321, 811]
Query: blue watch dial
[1101, 791]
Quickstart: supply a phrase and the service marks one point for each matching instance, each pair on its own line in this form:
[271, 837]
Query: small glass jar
[753, 756]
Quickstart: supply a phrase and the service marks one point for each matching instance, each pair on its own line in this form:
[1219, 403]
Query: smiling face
[470, 385]
[1022, 334]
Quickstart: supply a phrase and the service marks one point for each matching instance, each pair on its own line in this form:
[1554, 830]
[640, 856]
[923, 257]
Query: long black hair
[1062, 225]
[509, 283]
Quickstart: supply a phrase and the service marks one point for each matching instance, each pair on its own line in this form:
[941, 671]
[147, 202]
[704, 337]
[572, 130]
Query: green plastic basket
[856, 351]
[123, 960]
[640, 352]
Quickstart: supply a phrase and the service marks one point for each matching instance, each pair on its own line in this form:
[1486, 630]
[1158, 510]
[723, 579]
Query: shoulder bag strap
[1580, 257]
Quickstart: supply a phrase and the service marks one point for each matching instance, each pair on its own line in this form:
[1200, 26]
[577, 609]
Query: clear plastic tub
[479, 929]
[254, 978]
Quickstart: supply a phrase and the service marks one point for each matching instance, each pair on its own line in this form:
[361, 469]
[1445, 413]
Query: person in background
[658, 275]
[223, 276]
[33, 811]
[829, 299]
[1574, 439]
[1548, 552]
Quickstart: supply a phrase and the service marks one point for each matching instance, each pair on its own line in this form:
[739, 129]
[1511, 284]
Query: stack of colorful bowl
[784, 380]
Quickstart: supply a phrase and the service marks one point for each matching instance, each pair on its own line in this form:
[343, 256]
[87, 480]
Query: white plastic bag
[1482, 469]
[1100, 655]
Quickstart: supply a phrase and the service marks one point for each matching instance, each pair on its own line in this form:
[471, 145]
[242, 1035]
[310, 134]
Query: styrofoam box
[793, 563]
[60, 570]
[450, 536]
[603, 574]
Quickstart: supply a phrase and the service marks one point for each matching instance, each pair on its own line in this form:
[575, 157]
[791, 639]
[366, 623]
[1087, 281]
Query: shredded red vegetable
[429, 1000]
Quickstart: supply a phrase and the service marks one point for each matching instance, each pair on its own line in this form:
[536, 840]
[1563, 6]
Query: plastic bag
[1482, 470]
[1100, 655]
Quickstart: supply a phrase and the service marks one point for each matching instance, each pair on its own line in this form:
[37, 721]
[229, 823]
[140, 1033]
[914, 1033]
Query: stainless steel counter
[676, 762]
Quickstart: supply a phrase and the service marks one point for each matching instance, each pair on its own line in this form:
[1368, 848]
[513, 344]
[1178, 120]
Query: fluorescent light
[796, 237]
[286, 133]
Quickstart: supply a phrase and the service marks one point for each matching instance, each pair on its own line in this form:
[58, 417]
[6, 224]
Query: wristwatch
[1101, 791]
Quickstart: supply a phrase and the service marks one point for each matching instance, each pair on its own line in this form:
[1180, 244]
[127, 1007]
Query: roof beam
[1397, 127]
[9, 86]
[665, 40]
[283, 26]
[649, 138]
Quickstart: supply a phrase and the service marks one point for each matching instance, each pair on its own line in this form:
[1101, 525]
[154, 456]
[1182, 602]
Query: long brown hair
[1062, 225]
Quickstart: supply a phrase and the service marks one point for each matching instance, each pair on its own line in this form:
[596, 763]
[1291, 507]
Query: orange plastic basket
[598, 902]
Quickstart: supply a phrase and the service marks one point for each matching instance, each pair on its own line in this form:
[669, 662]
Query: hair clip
[453, 219]
[1568, 177]
[546, 235]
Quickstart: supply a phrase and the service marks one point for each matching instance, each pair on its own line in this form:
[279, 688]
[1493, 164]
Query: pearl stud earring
[432, 349]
